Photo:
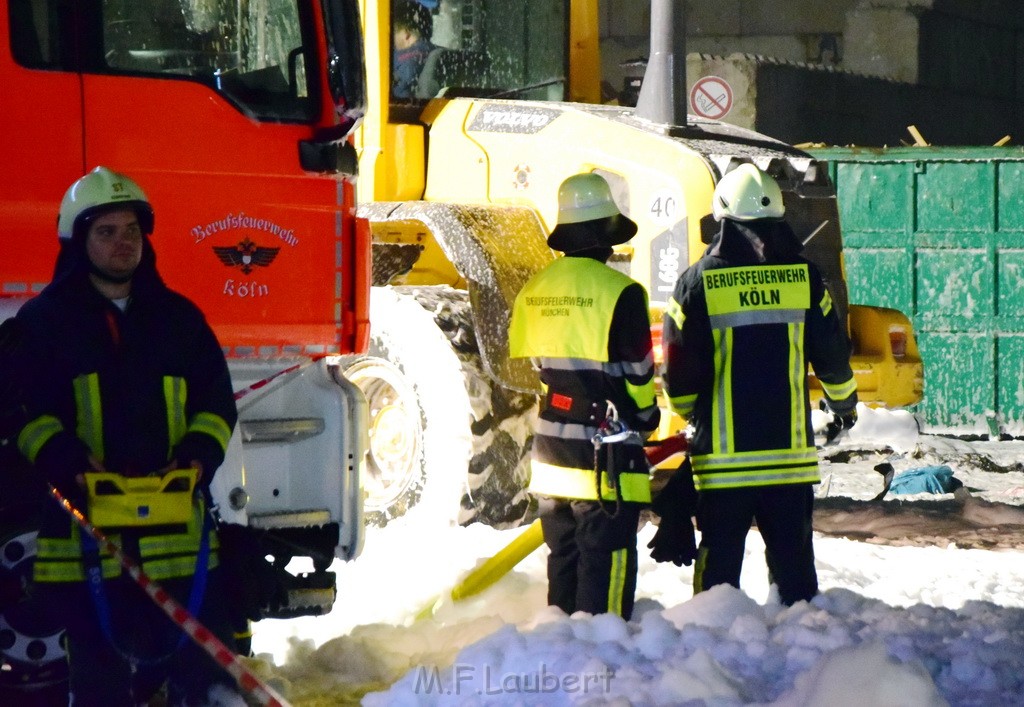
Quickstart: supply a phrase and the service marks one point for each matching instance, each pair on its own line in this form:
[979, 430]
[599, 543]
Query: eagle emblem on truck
[246, 255]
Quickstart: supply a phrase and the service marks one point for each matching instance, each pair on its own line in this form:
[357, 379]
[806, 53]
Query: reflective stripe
[71, 570]
[37, 433]
[826, 303]
[643, 395]
[840, 391]
[175, 395]
[647, 414]
[89, 412]
[60, 559]
[675, 311]
[797, 382]
[618, 369]
[741, 319]
[617, 581]
[176, 543]
[755, 459]
[213, 425]
[162, 556]
[721, 403]
[683, 404]
[177, 566]
[739, 479]
[565, 430]
[565, 482]
[758, 468]
[699, 566]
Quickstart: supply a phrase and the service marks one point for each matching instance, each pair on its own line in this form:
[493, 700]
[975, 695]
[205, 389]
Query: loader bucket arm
[496, 249]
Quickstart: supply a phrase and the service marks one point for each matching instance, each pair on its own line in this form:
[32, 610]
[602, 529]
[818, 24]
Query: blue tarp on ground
[926, 479]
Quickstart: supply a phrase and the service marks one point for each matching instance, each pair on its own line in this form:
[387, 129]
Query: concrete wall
[803, 104]
[849, 71]
[795, 30]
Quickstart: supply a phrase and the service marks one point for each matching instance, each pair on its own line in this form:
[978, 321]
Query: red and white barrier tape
[291, 369]
[249, 683]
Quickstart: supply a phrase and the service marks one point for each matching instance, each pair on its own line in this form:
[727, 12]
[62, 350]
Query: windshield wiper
[522, 89]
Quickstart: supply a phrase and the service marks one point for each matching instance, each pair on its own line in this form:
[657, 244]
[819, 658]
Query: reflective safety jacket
[137, 390]
[741, 326]
[587, 327]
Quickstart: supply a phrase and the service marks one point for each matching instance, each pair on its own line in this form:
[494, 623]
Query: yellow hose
[493, 569]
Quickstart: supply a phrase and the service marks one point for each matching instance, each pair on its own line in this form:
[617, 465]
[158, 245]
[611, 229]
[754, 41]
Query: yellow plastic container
[116, 500]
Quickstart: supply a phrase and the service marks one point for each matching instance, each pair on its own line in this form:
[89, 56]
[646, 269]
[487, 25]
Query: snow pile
[720, 647]
[894, 625]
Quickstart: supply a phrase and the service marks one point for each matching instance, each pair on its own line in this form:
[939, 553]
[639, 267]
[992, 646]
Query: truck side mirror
[328, 157]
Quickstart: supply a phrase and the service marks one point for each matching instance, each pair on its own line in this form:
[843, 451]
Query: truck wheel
[440, 432]
[33, 667]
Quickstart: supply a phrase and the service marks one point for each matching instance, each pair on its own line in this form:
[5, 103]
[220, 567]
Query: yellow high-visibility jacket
[587, 327]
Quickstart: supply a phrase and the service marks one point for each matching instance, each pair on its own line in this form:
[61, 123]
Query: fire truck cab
[234, 117]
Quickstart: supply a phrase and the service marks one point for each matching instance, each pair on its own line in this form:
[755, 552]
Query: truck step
[290, 519]
[310, 598]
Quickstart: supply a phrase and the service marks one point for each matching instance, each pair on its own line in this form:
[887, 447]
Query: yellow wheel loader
[459, 182]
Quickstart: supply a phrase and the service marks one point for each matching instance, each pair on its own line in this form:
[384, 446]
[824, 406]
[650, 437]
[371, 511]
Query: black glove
[841, 420]
[253, 585]
[676, 503]
[61, 461]
[675, 541]
[678, 496]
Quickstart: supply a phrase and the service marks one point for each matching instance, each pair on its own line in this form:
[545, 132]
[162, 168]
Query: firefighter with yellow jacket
[741, 327]
[586, 327]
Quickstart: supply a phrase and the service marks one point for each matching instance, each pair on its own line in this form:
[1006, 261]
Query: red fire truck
[234, 117]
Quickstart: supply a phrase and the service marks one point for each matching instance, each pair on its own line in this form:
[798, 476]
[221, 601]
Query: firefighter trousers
[593, 563]
[101, 675]
[784, 518]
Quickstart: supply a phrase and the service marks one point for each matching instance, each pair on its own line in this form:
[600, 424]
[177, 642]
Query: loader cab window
[491, 48]
[251, 51]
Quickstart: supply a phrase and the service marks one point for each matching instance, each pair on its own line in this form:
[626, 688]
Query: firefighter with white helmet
[124, 377]
[740, 329]
[585, 325]
[98, 191]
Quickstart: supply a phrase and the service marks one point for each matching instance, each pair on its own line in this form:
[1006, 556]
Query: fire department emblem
[246, 255]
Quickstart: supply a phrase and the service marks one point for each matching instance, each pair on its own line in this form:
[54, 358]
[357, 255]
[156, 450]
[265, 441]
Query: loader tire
[444, 439]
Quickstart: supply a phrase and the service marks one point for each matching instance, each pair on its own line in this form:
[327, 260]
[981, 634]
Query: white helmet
[583, 199]
[99, 191]
[747, 193]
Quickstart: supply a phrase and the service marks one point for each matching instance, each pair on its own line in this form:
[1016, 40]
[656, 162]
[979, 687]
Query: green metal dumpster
[938, 233]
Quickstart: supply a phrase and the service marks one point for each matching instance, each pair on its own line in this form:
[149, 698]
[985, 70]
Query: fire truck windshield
[252, 52]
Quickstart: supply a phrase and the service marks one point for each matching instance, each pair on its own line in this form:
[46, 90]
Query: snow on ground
[894, 625]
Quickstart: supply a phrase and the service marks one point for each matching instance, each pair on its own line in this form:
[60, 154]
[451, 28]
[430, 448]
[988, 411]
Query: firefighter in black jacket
[739, 331]
[586, 326]
[125, 377]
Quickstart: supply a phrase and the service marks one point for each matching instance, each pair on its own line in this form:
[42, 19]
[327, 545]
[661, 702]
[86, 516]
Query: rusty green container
[938, 233]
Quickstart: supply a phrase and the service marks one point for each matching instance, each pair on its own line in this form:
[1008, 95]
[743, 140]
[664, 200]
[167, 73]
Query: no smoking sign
[711, 97]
